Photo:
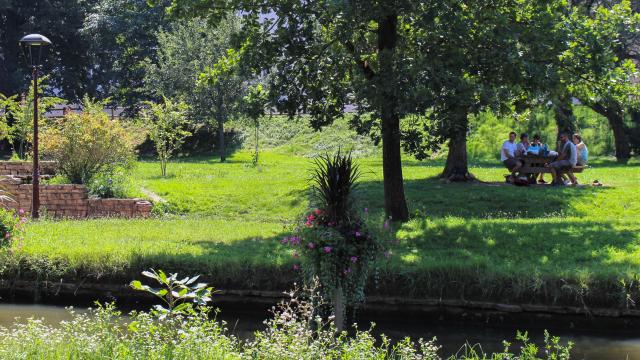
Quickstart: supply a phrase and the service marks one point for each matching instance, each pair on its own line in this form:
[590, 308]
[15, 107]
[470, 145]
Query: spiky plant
[333, 181]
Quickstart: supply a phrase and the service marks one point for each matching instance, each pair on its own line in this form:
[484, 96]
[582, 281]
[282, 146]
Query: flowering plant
[11, 227]
[333, 242]
[339, 254]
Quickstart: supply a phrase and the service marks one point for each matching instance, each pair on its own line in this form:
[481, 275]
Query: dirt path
[153, 196]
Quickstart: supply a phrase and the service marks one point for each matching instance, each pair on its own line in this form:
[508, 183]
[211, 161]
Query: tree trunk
[394, 199]
[221, 144]
[565, 120]
[457, 166]
[614, 115]
[621, 137]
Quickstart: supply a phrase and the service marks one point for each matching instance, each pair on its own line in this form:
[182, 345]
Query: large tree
[196, 62]
[65, 60]
[120, 35]
[488, 55]
[600, 65]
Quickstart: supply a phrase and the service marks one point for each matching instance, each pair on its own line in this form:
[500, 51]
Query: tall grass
[104, 334]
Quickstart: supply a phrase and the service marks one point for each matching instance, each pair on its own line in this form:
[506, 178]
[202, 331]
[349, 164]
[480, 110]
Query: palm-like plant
[333, 182]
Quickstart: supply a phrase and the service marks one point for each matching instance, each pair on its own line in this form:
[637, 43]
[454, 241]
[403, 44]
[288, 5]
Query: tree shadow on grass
[433, 198]
[256, 263]
[537, 260]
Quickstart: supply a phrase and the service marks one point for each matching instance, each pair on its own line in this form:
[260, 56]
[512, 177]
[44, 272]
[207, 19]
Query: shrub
[11, 227]
[166, 124]
[86, 144]
[106, 185]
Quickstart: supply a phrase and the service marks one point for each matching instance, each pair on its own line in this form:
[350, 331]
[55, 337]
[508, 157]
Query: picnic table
[534, 165]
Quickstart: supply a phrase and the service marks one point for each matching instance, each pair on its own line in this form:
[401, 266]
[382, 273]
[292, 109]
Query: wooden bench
[534, 165]
[545, 170]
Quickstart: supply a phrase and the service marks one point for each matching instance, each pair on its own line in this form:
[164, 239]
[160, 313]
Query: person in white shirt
[565, 162]
[508, 154]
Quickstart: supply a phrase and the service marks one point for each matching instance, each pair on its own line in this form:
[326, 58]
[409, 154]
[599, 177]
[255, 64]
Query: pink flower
[347, 271]
[295, 240]
[354, 259]
[7, 235]
[311, 217]
[358, 234]
[296, 267]
[366, 211]
[327, 249]
[318, 212]
[284, 241]
[311, 245]
[386, 224]
[21, 211]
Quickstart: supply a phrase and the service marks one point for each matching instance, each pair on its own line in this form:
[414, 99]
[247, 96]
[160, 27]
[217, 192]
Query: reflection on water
[243, 322]
[12, 313]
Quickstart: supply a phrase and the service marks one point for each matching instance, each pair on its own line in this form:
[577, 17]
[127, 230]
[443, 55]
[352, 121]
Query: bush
[11, 227]
[107, 185]
[89, 143]
[167, 126]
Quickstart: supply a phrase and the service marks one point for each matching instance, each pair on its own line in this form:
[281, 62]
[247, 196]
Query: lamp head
[32, 45]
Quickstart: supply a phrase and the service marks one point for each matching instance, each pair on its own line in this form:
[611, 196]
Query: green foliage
[20, 111]
[333, 183]
[89, 143]
[553, 350]
[110, 184]
[254, 104]
[166, 124]
[11, 228]
[334, 242]
[121, 37]
[177, 295]
[196, 64]
[596, 66]
[488, 131]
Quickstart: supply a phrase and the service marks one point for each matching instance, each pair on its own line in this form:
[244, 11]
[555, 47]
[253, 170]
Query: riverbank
[577, 247]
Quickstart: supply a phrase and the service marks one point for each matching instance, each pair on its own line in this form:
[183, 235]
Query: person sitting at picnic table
[583, 152]
[538, 148]
[523, 145]
[566, 160]
[508, 154]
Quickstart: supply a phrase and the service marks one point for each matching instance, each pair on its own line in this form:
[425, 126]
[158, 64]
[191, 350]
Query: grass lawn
[482, 241]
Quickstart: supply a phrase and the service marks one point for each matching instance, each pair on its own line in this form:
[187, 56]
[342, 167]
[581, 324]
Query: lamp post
[32, 47]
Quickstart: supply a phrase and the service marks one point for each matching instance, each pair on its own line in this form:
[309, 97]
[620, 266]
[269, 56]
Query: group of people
[570, 153]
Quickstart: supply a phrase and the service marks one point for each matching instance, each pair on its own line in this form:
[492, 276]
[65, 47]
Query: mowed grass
[479, 241]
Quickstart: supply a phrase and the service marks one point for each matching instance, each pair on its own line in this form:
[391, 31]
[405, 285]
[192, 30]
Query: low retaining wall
[72, 201]
[25, 169]
[119, 208]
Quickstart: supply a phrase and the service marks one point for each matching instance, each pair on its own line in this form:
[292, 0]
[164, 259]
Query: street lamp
[32, 47]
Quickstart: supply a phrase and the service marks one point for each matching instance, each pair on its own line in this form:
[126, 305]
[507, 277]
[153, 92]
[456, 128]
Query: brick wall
[119, 208]
[24, 169]
[71, 201]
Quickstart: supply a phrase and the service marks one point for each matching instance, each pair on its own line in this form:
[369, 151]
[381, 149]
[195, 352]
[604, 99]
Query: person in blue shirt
[583, 152]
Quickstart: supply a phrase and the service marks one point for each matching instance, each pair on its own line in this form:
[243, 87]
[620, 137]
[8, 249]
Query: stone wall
[64, 200]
